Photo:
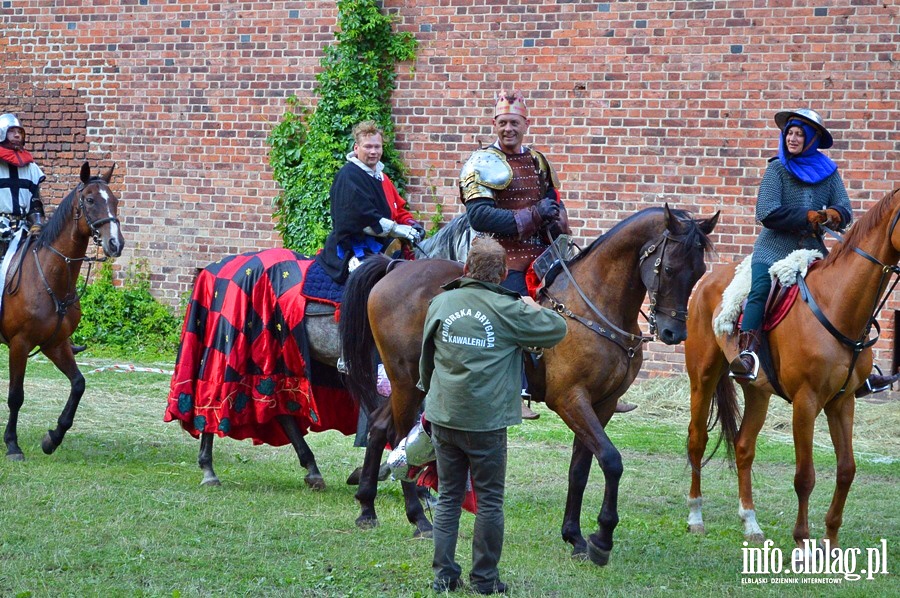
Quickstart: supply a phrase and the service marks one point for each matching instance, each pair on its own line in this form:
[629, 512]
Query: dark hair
[486, 261]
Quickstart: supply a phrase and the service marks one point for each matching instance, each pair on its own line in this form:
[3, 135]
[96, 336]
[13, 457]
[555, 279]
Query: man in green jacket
[471, 369]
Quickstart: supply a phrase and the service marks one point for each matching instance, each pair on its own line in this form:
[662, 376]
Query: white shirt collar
[376, 173]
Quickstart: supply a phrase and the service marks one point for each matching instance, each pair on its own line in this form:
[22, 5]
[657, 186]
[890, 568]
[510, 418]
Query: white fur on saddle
[785, 271]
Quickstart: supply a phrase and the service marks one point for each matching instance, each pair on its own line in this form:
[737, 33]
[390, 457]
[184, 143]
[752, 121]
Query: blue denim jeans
[458, 452]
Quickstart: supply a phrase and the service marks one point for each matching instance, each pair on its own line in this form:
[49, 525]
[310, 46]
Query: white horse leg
[752, 532]
[695, 516]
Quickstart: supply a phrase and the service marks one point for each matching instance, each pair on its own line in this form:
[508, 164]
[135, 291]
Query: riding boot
[623, 407]
[527, 413]
[876, 383]
[746, 365]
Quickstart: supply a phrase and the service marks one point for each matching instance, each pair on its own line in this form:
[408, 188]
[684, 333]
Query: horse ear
[108, 176]
[85, 172]
[709, 224]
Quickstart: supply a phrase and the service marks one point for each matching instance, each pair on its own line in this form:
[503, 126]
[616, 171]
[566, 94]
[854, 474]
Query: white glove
[405, 231]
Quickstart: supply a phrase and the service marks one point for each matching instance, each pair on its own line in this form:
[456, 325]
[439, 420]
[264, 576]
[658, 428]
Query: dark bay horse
[818, 359]
[40, 302]
[321, 339]
[657, 251]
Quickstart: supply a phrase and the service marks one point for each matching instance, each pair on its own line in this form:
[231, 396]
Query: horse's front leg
[313, 477]
[840, 425]
[806, 409]
[579, 471]
[756, 405]
[581, 418]
[62, 357]
[205, 460]
[15, 398]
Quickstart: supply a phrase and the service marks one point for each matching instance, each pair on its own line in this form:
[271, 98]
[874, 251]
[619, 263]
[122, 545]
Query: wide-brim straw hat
[808, 116]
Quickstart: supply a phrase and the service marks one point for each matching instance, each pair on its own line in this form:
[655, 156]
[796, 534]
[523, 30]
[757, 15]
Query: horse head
[97, 208]
[670, 266]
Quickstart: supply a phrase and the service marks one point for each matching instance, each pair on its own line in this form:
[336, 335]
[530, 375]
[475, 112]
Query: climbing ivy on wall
[308, 146]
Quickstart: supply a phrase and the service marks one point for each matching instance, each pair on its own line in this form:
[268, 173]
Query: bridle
[864, 342]
[653, 289]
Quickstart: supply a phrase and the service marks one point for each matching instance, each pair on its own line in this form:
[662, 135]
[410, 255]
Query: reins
[610, 331]
[858, 346]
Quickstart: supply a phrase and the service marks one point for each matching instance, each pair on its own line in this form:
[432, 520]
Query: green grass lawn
[118, 509]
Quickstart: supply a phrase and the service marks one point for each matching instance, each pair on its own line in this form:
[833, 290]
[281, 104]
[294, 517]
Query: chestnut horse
[819, 359]
[40, 302]
[657, 251]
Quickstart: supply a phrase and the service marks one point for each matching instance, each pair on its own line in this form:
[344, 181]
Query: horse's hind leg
[756, 405]
[62, 358]
[840, 424]
[379, 424]
[15, 398]
[205, 460]
[313, 477]
[579, 471]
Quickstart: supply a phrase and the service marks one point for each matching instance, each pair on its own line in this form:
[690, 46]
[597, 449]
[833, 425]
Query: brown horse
[40, 303]
[657, 251]
[816, 365]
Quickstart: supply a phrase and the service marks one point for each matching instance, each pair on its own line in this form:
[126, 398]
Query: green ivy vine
[309, 146]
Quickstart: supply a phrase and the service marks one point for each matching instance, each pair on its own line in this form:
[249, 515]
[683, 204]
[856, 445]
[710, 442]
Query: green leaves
[309, 146]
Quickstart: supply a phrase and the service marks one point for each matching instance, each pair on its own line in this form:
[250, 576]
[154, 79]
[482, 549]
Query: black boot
[876, 383]
[746, 365]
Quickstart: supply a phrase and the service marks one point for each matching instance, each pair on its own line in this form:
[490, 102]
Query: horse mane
[691, 235]
[445, 242]
[870, 220]
[57, 223]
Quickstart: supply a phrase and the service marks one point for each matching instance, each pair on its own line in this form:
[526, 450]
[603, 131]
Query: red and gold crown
[511, 103]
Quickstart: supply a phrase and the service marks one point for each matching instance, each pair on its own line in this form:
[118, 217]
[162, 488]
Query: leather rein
[864, 342]
[628, 342]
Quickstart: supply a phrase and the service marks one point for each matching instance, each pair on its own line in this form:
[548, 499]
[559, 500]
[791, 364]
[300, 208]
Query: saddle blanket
[783, 272]
[244, 355]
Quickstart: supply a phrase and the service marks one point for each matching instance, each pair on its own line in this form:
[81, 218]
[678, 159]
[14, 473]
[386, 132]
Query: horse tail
[726, 412]
[357, 342]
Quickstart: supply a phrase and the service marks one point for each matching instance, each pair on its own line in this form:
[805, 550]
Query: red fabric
[532, 282]
[399, 213]
[240, 363]
[781, 309]
[16, 158]
[429, 479]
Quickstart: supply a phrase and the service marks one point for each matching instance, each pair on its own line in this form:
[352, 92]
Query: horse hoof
[47, 445]
[579, 554]
[316, 483]
[353, 478]
[15, 457]
[697, 528]
[597, 555]
[755, 538]
[210, 481]
[366, 522]
[423, 533]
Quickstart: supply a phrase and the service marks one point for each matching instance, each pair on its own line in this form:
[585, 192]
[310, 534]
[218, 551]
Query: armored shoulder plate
[544, 164]
[483, 173]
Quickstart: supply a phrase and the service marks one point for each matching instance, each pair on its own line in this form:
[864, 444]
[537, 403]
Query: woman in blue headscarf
[800, 193]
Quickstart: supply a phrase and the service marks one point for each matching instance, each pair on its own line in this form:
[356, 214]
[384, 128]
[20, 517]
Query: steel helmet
[8, 121]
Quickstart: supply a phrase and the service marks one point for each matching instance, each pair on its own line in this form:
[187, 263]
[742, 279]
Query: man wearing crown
[511, 192]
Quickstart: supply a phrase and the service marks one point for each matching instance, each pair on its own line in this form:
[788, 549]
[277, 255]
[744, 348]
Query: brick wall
[636, 103]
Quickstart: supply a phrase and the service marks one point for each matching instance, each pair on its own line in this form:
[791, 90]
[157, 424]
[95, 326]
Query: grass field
[118, 509]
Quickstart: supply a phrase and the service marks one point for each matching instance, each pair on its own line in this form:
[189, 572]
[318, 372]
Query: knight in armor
[511, 192]
[801, 192]
[367, 212]
[20, 180]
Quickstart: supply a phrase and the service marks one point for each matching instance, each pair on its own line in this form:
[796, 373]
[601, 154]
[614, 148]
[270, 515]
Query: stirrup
[750, 376]
[341, 365]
